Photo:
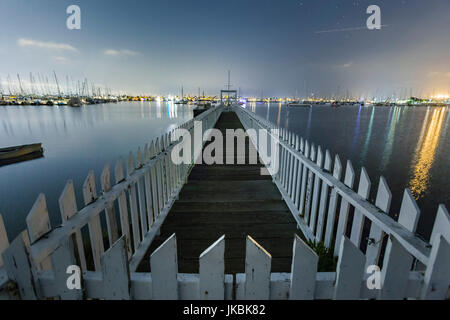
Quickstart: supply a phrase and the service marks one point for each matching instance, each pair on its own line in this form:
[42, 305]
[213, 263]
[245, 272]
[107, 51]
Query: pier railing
[38, 261]
[143, 196]
[321, 203]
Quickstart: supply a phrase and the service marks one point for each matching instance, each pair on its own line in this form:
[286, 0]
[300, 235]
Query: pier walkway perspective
[232, 200]
[152, 227]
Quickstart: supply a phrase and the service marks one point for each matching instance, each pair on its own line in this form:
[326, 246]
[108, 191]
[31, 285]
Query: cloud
[123, 52]
[22, 42]
[61, 59]
[345, 65]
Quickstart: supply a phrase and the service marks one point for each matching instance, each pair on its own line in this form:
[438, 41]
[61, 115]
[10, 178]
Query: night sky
[280, 47]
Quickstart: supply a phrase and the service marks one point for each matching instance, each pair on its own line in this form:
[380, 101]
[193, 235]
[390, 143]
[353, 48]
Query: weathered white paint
[110, 214]
[358, 217]
[4, 242]
[164, 268]
[349, 271]
[212, 269]
[337, 173]
[38, 222]
[441, 224]
[343, 213]
[257, 271]
[383, 202]
[303, 271]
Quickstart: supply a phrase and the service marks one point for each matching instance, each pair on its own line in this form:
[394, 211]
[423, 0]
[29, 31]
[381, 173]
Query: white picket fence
[312, 189]
[37, 259]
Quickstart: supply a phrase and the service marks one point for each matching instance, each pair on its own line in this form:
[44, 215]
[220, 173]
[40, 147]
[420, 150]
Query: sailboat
[182, 100]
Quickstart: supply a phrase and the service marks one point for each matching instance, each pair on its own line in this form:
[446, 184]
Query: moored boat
[20, 153]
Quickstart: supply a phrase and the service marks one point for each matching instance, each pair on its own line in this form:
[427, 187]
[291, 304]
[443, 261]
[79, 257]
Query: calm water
[410, 147]
[75, 140]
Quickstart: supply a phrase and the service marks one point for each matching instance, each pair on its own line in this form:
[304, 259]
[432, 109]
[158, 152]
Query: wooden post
[358, 218]
[212, 269]
[38, 222]
[95, 227]
[4, 242]
[164, 267]
[303, 271]
[257, 271]
[383, 201]
[110, 213]
[116, 275]
[343, 213]
[133, 205]
[316, 192]
[337, 173]
[323, 200]
[349, 272]
[397, 261]
[123, 207]
[68, 208]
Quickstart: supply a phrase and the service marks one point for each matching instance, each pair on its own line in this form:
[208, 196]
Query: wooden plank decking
[235, 200]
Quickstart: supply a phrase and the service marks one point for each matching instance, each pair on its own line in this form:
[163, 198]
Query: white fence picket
[349, 271]
[110, 213]
[38, 222]
[383, 202]
[212, 269]
[68, 208]
[343, 212]
[15, 259]
[116, 275]
[257, 271]
[397, 261]
[437, 274]
[61, 259]
[323, 199]
[303, 271]
[316, 192]
[337, 173]
[441, 224]
[133, 205]
[164, 268]
[123, 207]
[358, 218]
[95, 227]
[4, 243]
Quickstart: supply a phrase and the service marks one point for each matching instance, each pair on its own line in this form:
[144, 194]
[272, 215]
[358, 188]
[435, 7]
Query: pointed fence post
[257, 271]
[383, 202]
[441, 224]
[437, 274]
[337, 173]
[38, 222]
[111, 223]
[343, 213]
[212, 271]
[323, 199]
[95, 227]
[17, 265]
[349, 271]
[316, 192]
[164, 269]
[4, 242]
[303, 271]
[358, 218]
[133, 205]
[68, 208]
[115, 272]
[123, 207]
[397, 260]
[61, 259]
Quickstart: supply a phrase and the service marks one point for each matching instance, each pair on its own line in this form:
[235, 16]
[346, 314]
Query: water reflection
[426, 151]
[390, 138]
[369, 135]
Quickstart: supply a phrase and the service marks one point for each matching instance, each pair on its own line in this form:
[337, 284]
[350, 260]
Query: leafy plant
[327, 261]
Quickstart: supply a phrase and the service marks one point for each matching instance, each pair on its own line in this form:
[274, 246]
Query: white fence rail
[320, 202]
[37, 260]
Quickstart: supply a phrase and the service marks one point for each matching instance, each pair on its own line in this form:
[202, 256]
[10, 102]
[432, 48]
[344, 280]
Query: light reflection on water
[426, 152]
[409, 146]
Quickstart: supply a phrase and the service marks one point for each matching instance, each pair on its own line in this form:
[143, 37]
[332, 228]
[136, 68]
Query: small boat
[20, 153]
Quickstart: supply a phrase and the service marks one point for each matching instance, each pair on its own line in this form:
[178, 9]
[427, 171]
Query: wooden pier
[231, 200]
[180, 230]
